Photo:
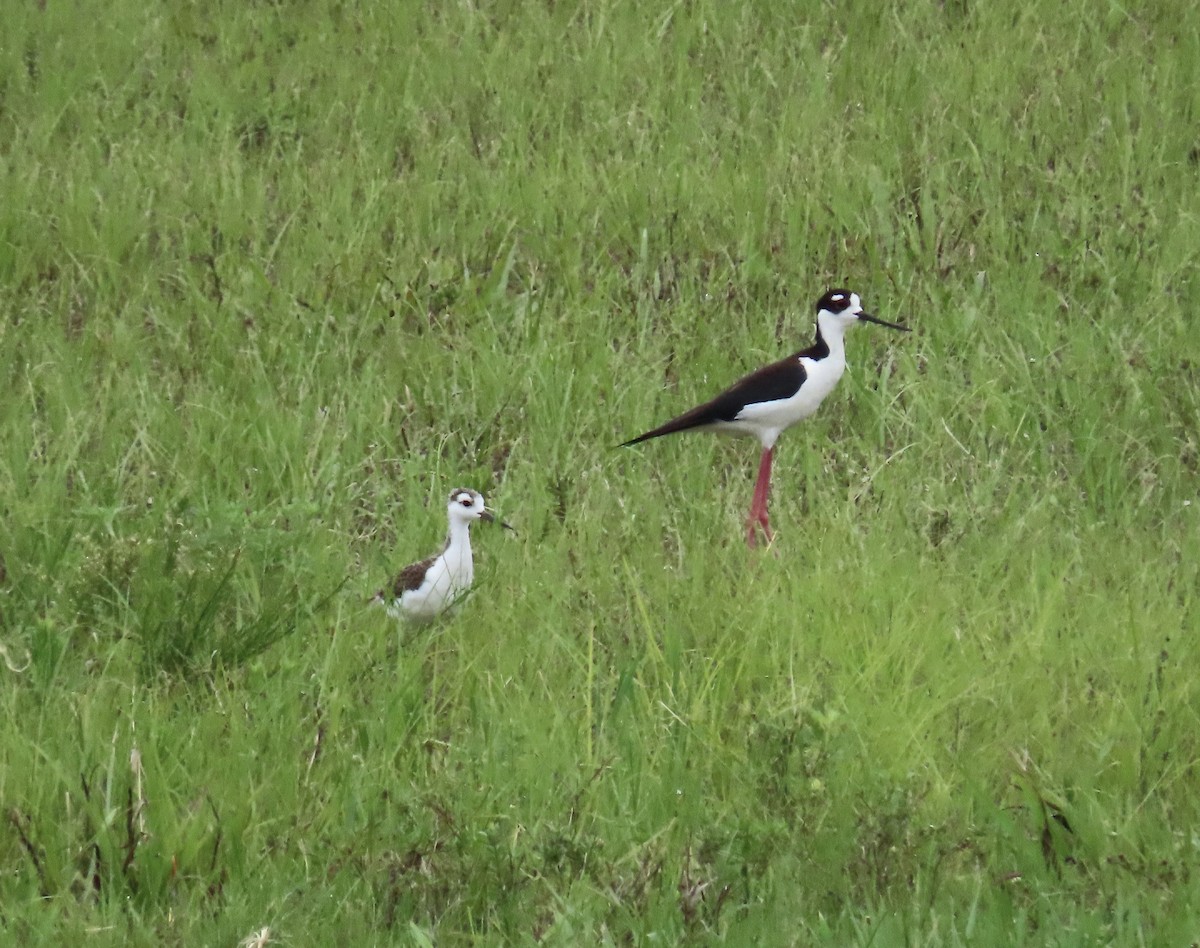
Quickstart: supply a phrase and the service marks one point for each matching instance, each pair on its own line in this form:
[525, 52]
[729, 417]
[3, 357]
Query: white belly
[766, 420]
[448, 578]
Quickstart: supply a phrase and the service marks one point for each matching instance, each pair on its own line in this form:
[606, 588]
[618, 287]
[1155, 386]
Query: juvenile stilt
[426, 589]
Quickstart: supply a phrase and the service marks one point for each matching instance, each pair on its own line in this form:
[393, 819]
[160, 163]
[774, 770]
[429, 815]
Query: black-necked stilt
[423, 590]
[778, 395]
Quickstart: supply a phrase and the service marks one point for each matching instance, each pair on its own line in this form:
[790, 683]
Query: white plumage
[424, 590]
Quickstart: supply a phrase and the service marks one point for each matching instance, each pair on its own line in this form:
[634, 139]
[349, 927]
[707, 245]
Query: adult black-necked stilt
[778, 395]
[423, 590]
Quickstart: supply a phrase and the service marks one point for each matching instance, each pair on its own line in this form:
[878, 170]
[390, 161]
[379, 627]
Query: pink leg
[758, 506]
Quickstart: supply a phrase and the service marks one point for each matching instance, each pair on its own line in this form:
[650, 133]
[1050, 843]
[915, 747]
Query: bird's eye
[466, 501]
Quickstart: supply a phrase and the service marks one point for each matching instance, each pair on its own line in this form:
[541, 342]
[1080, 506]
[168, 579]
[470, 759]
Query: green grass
[274, 278]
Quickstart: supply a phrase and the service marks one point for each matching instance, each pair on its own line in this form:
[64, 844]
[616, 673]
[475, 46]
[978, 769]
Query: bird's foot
[756, 524]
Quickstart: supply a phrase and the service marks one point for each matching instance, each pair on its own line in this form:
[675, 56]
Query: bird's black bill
[867, 317]
[491, 518]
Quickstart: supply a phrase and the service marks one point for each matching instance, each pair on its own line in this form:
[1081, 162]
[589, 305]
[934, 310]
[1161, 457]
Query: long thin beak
[867, 317]
[491, 518]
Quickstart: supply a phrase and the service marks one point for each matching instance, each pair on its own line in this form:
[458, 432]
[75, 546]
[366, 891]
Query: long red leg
[758, 506]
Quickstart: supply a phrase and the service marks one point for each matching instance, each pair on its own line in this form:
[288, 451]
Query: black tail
[699, 417]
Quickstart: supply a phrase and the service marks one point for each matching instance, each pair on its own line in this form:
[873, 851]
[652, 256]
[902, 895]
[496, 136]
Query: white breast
[767, 420]
[448, 578]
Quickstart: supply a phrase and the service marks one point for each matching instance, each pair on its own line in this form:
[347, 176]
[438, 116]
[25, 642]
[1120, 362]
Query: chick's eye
[465, 503]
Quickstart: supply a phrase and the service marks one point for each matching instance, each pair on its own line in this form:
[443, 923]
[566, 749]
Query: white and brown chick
[421, 591]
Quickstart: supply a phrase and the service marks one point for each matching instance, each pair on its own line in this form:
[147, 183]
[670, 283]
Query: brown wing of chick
[408, 578]
[412, 576]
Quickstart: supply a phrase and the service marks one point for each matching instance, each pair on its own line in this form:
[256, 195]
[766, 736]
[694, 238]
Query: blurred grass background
[274, 278]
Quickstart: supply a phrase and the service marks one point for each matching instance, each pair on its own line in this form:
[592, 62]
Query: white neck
[833, 331]
[457, 556]
[460, 535]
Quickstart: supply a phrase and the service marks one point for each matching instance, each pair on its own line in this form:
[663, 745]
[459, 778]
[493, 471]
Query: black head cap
[835, 301]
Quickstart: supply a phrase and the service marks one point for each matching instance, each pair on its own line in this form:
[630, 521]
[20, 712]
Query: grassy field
[275, 277]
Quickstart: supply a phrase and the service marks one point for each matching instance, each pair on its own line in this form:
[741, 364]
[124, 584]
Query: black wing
[778, 380]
